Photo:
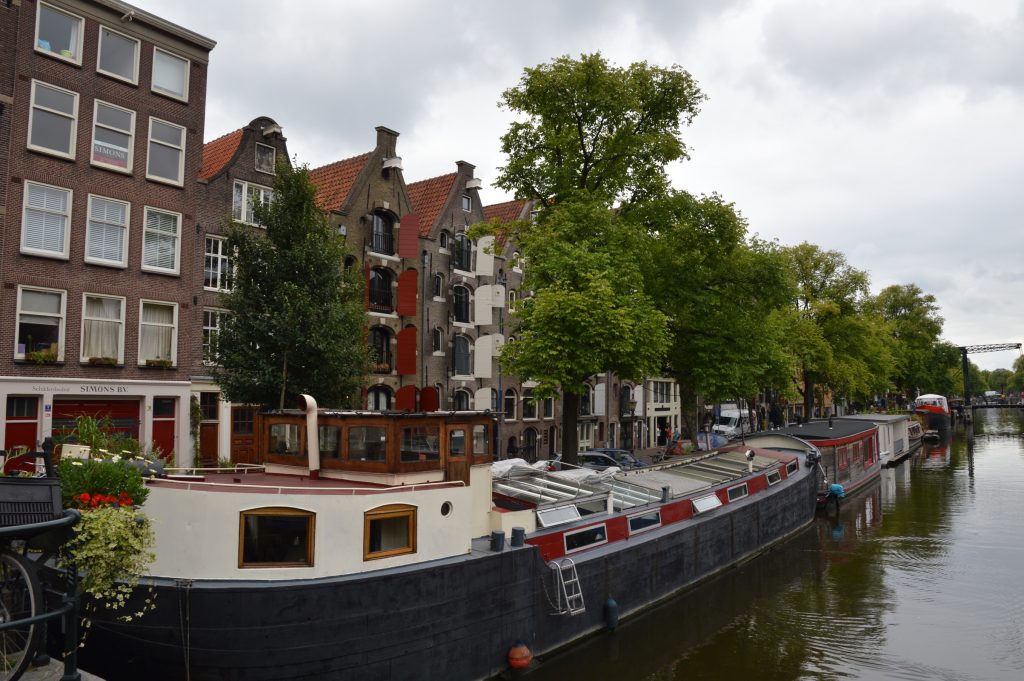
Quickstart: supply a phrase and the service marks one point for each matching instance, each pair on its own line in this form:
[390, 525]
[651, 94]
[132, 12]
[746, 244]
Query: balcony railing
[383, 243]
[381, 300]
[382, 363]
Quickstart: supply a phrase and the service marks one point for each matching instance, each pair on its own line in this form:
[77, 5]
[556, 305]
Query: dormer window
[467, 202]
[266, 156]
[383, 237]
[443, 241]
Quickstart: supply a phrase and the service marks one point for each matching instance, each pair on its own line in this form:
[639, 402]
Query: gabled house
[237, 174]
[366, 200]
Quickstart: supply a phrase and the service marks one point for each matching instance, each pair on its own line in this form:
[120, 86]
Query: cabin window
[577, 540]
[858, 452]
[738, 492]
[330, 442]
[644, 521]
[774, 477]
[480, 441]
[558, 516]
[285, 439]
[276, 537]
[791, 468]
[389, 531]
[456, 444]
[420, 443]
[706, 503]
[367, 443]
[843, 458]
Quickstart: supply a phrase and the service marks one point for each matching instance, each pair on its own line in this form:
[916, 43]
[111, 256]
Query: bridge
[970, 349]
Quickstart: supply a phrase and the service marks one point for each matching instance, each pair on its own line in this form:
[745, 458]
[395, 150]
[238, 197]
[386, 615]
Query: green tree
[588, 312]
[838, 344]
[1016, 382]
[914, 325]
[595, 128]
[725, 297]
[592, 137]
[295, 322]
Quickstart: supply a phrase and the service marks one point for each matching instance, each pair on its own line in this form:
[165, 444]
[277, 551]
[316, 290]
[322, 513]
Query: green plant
[42, 356]
[112, 477]
[195, 418]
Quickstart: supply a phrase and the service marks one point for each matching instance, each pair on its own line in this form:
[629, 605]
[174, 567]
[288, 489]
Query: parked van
[732, 423]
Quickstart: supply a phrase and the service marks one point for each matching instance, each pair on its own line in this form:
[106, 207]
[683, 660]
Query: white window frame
[773, 477]
[742, 492]
[63, 319]
[134, 80]
[256, 159]
[73, 141]
[122, 262]
[50, 53]
[210, 331]
[130, 132]
[589, 528]
[467, 203]
[27, 250]
[629, 521]
[225, 257]
[247, 211]
[174, 329]
[181, 159]
[120, 336]
[177, 242]
[167, 93]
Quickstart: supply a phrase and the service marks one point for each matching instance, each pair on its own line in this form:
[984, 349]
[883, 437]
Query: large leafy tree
[914, 326]
[591, 142]
[838, 343]
[295, 322]
[725, 295]
[592, 127]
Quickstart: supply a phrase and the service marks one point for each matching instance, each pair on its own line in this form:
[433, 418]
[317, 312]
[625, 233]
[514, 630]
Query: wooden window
[266, 157]
[367, 443]
[456, 444]
[389, 531]
[113, 137]
[217, 265]
[480, 440]
[118, 55]
[276, 537]
[209, 403]
[102, 328]
[330, 442]
[160, 241]
[170, 74]
[166, 159]
[420, 443]
[106, 232]
[285, 439]
[46, 221]
[843, 458]
[40, 323]
[529, 404]
[246, 198]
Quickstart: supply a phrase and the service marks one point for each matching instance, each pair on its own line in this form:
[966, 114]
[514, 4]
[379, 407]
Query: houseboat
[935, 411]
[373, 545]
[848, 450]
[893, 435]
[915, 433]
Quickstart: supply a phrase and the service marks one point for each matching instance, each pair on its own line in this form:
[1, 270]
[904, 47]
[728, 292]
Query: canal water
[918, 577]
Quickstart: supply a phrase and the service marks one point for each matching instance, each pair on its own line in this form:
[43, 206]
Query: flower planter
[159, 363]
[103, 361]
[24, 501]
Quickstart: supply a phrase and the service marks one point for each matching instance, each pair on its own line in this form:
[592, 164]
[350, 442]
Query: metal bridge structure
[971, 349]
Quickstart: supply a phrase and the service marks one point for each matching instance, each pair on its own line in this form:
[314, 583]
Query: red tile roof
[334, 181]
[504, 212]
[428, 198]
[217, 153]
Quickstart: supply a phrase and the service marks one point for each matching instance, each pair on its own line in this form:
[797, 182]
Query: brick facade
[73, 74]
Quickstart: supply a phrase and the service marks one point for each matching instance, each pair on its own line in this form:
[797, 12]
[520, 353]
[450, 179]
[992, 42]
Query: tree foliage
[592, 142]
[835, 339]
[914, 326]
[295, 322]
[595, 128]
[725, 297]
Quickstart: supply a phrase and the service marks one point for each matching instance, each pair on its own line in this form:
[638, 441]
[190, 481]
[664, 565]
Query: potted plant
[164, 363]
[47, 356]
[103, 361]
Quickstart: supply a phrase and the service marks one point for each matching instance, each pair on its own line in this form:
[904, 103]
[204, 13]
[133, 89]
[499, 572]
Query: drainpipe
[312, 437]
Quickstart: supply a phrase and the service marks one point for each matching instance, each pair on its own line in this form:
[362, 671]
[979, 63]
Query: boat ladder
[568, 594]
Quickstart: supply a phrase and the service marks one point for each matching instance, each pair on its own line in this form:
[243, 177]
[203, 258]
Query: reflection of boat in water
[935, 454]
[935, 411]
[848, 451]
[372, 545]
[931, 436]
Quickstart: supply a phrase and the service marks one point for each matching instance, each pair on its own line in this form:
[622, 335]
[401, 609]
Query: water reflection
[915, 578]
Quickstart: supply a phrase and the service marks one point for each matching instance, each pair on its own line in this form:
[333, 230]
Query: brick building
[102, 129]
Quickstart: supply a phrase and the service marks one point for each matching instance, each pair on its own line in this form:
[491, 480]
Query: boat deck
[259, 481]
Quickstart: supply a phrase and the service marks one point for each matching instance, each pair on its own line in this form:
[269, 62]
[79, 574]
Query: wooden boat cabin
[893, 434]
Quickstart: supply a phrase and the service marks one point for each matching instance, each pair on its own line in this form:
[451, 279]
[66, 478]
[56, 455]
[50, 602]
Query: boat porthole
[446, 509]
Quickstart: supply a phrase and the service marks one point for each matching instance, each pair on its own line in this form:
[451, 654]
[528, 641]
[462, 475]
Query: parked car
[605, 457]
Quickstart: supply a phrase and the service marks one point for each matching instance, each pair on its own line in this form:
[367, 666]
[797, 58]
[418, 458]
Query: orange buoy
[519, 656]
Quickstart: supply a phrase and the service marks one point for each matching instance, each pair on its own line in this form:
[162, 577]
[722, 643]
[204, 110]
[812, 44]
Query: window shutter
[409, 236]
[405, 398]
[482, 358]
[429, 400]
[406, 360]
[407, 288]
[482, 305]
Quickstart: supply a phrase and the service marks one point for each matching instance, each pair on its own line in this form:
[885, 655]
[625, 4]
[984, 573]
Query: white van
[732, 423]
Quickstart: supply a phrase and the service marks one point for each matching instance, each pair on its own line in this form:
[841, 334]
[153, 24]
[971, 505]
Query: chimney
[386, 139]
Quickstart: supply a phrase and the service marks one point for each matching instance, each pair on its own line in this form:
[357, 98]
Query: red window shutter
[429, 400]
[407, 284]
[409, 236]
[405, 398]
[407, 351]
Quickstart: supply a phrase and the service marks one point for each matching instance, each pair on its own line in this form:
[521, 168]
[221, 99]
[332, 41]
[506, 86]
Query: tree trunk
[570, 417]
[284, 381]
[687, 410]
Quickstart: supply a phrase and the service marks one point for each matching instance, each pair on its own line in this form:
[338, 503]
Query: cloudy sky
[890, 130]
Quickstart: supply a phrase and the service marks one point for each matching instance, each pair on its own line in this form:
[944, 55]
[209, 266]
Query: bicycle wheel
[20, 598]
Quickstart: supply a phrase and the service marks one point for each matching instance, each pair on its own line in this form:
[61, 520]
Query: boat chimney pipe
[750, 461]
[666, 493]
[312, 436]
